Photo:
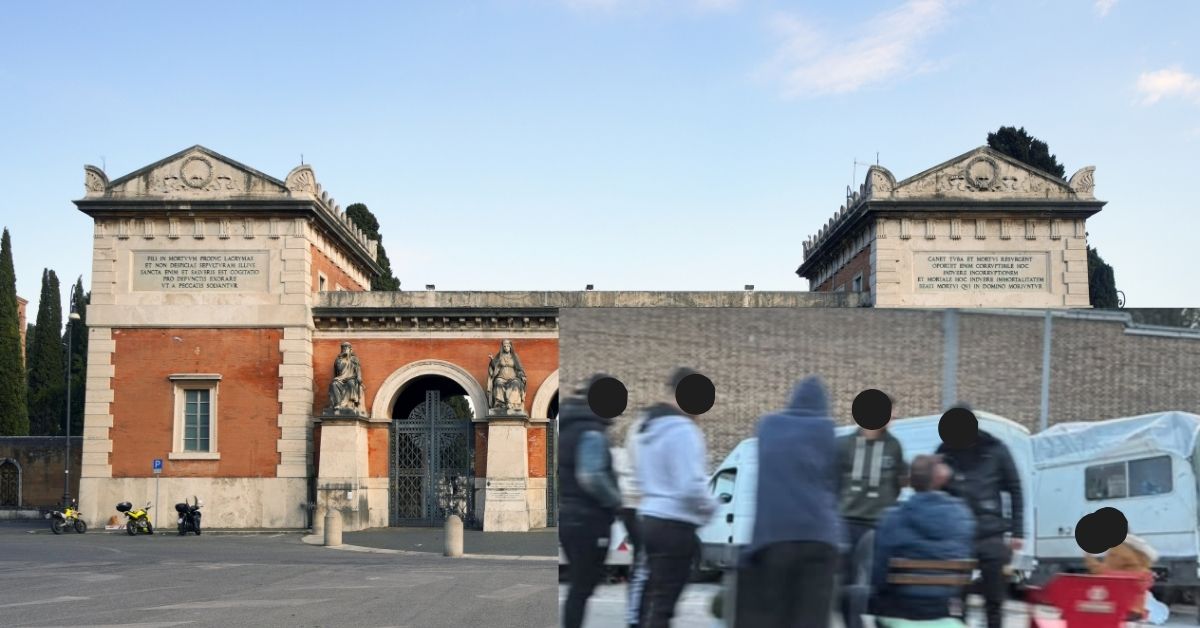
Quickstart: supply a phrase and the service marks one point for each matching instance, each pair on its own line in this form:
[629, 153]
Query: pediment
[193, 173]
[986, 174]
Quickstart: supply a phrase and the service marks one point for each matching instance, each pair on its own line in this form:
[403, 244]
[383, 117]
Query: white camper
[737, 476]
[1145, 466]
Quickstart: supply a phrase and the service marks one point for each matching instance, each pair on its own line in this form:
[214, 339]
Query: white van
[733, 524]
[1145, 466]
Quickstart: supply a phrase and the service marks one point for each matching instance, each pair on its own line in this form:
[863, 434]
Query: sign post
[157, 474]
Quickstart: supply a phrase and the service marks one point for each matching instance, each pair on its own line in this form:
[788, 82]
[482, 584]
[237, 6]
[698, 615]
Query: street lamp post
[73, 317]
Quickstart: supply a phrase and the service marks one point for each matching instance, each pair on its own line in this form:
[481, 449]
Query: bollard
[318, 522]
[333, 528]
[454, 536]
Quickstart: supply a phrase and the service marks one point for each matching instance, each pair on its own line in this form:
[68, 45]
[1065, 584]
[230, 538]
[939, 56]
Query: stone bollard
[318, 522]
[454, 536]
[333, 528]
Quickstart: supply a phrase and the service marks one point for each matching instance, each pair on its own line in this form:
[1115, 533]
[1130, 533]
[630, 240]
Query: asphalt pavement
[109, 579]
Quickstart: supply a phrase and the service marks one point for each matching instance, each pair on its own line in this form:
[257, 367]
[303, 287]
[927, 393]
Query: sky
[630, 144]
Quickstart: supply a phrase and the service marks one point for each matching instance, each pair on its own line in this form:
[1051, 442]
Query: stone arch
[6, 462]
[545, 394]
[381, 406]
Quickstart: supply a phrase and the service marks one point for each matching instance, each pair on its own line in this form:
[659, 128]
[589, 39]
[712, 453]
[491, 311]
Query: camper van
[1145, 466]
[734, 485]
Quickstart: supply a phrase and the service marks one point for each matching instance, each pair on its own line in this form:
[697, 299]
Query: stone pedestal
[505, 508]
[342, 475]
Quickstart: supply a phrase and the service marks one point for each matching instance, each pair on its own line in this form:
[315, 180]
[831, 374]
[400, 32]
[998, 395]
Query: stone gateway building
[226, 306]
[979, 230]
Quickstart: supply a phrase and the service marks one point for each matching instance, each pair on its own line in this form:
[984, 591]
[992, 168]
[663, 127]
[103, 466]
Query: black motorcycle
[189, 516]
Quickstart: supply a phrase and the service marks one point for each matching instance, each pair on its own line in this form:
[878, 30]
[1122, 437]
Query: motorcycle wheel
[57, 525]
[80, 526]
[196, 526]
[131, 528]
[149, 527]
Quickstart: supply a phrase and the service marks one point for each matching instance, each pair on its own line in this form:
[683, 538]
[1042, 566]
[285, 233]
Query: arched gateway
[233, 335]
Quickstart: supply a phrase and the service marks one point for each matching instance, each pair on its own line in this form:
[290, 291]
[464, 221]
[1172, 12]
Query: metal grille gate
[431, 465]
[552, 472]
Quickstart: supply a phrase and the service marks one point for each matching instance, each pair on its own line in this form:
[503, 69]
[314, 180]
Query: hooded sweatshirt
[930, 525]
[626, 465]
[671, 468]
[797, 472]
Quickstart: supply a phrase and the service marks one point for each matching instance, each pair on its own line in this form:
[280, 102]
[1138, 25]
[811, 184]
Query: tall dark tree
[1102, 286]
[78, 359]
[47, 371]
[1020, 145]
[1187, 317]
[14, 415]
[29, 331]
[366, 221]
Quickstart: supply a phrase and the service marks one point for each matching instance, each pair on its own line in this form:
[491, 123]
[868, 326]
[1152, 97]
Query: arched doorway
[10, 484]
[431, 454]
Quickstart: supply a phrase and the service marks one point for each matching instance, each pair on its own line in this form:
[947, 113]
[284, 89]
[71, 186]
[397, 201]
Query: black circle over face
[959, 428]
[872, 409]
[607, 397]
[695, 394]
[1101, 530]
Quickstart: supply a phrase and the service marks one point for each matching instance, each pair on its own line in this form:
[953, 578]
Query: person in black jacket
[589, 499]
[983, 472]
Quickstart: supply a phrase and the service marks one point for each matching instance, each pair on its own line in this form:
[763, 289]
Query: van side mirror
[725, 498]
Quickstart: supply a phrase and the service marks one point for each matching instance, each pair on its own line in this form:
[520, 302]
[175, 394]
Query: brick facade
[1099, 370]
[860, 263]
[334, 274]
[143, 406]
[41, 461]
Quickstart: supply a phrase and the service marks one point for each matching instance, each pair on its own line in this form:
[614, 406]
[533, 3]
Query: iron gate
[552, 473]
[431, 465]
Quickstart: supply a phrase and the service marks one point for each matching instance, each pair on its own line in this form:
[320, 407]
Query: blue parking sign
[158, 465]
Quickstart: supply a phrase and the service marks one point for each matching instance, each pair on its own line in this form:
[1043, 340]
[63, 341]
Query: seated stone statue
[346, 390]
[506, 381]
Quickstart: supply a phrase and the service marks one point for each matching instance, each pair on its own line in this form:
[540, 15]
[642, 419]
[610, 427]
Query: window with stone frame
[857, 283]
[195, 416]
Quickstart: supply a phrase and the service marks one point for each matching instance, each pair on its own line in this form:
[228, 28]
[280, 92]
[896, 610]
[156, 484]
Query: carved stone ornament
[302, 179]
[1083, 182]
[346, 392]
[506, 382]
[982, 173]
[94, 180]
[196, 172]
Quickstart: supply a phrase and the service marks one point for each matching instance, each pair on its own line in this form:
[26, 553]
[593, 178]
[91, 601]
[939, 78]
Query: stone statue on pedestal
[346, 391]
[506, 382]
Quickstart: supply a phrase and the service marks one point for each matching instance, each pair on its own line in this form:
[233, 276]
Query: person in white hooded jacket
[631, 494]
[672, 475]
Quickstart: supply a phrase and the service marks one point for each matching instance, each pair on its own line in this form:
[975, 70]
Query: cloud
[812, 62]
[1168, 83]
[1104, 6]
[617, 5]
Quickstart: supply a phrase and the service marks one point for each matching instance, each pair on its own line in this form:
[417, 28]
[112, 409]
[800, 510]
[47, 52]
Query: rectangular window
[195, 416]
[196, 420]
[857, 283]
[1106, 481]
[320, 282]
[1136, 478]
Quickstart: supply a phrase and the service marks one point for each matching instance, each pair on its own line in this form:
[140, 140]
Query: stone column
[342, 475]
[505, 505]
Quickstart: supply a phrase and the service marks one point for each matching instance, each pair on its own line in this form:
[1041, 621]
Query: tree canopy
[47, 372]
[14, 415]
[365, 220]
[1020, 145]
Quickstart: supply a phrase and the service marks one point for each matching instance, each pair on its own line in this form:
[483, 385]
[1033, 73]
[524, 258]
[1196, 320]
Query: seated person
[929, 525]
[1133, 557]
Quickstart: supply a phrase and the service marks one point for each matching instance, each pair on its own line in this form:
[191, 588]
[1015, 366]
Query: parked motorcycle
[67, 519]
[189, 516]
[137, 521]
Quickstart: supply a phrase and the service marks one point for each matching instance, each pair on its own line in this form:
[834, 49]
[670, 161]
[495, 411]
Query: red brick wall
[382, 357]
[334, 275]
[861, 262]
[377, 450]
[537, 451]
[247, 409]
[481, 445]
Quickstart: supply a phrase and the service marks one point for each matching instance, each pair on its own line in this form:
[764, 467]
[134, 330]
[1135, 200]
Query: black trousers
[993, 554]
[670, 548]
[788, 585]
[585, 544]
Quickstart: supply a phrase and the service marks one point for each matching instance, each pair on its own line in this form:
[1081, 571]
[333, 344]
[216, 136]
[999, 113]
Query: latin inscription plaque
[200, 271]
[980, 272]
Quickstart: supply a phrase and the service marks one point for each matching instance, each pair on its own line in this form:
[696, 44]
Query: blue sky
[632, 144]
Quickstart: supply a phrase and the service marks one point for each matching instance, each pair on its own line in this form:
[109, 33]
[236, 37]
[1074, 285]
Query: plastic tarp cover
[1161, 432]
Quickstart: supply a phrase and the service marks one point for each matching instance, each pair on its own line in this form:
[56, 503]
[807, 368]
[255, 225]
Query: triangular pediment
[987, 174]
[193, 173]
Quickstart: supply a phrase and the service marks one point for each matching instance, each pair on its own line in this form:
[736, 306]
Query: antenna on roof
[103, 165]
[301, 159]
[854, 179]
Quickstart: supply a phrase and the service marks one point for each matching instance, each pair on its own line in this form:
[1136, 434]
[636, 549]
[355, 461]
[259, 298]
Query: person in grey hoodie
[786, 574]
[631, 495]
[673, 477]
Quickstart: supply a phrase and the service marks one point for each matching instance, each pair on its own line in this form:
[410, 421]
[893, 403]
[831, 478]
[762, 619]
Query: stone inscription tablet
[200, 271]
[506, 490]
[980, 272]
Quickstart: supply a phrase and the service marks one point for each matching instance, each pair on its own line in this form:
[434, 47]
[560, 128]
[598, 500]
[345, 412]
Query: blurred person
[787, 573]
[631, 495]
[588, 499]
[872, 471]
[929, 525]
[672, 475]
[980, 474]
[1133, 557]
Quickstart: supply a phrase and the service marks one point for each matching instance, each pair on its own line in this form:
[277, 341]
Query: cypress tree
[365, 220]
[78, 359]
[47, 372]
[14, 415]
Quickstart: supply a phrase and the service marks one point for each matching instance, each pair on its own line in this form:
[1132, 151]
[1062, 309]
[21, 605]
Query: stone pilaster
[506, 493]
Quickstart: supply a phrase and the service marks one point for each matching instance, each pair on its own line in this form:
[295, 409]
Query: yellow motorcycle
[67, 519]
[137, 521]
